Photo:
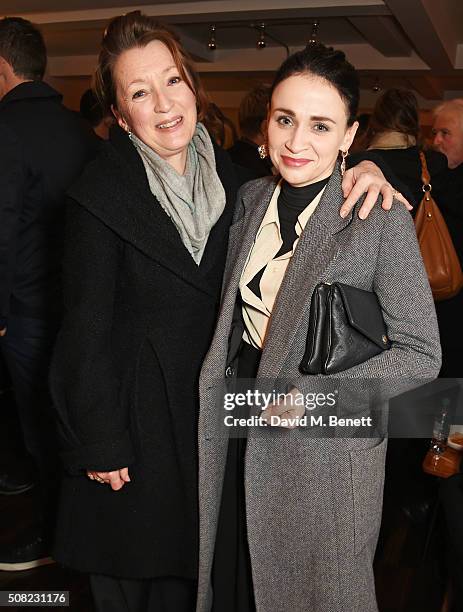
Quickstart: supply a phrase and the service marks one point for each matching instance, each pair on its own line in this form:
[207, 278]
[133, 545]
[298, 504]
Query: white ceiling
[414, 43]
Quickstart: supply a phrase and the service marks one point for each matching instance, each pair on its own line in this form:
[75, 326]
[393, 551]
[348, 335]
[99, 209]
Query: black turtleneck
[291, 202]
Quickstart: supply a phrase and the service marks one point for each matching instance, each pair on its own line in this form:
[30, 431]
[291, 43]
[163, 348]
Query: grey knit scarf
[194, 201]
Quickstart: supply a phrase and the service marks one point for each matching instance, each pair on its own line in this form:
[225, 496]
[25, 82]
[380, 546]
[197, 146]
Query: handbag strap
[425, 176]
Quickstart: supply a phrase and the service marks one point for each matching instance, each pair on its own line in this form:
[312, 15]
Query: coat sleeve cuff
[103, 456]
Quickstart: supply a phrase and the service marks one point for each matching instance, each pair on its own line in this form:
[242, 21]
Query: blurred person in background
[393, 139]
[359, 141]
[43, 148]
[447, 131]
[393, 142]
[91, 111]
[252, 119]
[221, 129]
[448, 139]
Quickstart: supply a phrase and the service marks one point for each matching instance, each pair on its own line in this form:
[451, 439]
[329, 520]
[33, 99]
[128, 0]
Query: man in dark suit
[43, 148]
[448, 139]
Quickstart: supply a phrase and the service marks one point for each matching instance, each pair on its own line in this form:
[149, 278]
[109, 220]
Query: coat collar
[327, 211]
[115, 188]
[316, 250]
[253, 205]
[29, 90]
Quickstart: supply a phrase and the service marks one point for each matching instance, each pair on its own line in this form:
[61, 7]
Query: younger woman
[289, 522]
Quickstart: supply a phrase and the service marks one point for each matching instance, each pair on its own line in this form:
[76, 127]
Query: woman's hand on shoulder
[116, 479]
[367, 178]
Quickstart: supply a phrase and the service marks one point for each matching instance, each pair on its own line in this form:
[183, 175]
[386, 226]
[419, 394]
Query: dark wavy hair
[327, 63]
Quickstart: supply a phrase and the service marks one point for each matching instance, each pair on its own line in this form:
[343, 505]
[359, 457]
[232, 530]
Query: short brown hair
[137, 30]
[22, 46]
[253, 110]
[396, 111]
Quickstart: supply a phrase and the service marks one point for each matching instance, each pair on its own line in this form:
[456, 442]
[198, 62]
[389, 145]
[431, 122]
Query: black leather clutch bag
[346, 327]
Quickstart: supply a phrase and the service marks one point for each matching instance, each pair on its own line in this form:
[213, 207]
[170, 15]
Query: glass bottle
[441, 428]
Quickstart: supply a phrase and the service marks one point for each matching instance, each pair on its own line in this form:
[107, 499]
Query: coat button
[229, 372]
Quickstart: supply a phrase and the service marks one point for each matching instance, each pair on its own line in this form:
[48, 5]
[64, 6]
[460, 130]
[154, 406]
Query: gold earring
[262, 150]
[344, 154]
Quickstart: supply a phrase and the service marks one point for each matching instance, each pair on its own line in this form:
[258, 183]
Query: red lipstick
[295, 162]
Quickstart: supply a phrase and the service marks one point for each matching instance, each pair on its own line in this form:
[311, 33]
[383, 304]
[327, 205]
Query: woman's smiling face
[154, 102]
[307, 127]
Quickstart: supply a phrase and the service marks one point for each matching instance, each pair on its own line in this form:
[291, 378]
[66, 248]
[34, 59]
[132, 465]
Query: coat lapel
[317, 248]
[254, 204]
[125, 203]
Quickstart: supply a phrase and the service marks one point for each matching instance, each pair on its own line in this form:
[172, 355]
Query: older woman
[290, 521]
[146, 245]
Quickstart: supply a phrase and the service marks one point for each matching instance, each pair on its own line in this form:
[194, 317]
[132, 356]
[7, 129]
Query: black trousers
[155, 595]
[231, 577]
[26, 349]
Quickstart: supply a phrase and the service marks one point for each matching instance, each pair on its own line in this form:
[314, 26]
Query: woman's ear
[120, 119]
[349, 136]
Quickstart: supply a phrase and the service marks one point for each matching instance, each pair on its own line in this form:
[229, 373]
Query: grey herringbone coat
[313, 506]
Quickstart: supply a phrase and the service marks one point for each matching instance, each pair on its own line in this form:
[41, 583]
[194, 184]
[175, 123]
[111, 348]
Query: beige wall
[72, 89]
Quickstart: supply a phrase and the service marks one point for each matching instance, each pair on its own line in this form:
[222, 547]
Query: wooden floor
[407, 579]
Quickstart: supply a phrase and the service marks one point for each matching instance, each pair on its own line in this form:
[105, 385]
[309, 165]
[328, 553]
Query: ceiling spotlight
[261, 43]
[376, 85]
[314, 34]
[211, 45]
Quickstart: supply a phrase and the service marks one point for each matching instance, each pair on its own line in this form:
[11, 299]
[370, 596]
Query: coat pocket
[367, 467]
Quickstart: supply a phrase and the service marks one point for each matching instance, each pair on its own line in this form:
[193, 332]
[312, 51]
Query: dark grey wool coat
[139, 319]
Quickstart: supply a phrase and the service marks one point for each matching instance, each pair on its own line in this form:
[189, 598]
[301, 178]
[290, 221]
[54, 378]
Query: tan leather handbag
[439, 255]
